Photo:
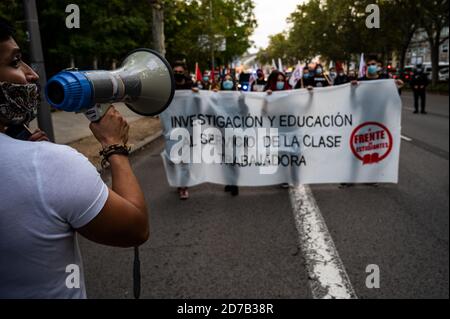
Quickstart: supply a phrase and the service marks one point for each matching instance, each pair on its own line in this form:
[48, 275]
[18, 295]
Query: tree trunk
[95, 63]
[435, 61]
[403, 58]
[158, 26]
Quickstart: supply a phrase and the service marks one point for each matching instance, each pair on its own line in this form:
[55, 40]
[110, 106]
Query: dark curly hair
[6, 30]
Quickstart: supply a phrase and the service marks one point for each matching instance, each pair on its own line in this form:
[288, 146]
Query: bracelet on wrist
[115, 149]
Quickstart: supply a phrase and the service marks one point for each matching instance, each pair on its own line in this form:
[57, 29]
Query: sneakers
[184, 193]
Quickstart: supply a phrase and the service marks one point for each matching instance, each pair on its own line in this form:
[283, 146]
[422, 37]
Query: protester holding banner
[373, 72]
[228, 83]
[259, 84]
[307, 80]
[182, 82]
[277, 82]
[333, 74]
[320, 78]
[342, 78]
[352, 75]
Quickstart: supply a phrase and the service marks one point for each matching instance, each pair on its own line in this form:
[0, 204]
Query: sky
[271, 16]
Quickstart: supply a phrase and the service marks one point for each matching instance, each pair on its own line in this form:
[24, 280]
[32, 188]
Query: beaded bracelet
[110, 150]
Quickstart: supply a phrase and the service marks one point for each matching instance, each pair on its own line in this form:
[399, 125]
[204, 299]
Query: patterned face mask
[18, 103]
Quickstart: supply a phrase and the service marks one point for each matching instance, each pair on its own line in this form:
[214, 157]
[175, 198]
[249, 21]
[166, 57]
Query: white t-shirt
[46, 191]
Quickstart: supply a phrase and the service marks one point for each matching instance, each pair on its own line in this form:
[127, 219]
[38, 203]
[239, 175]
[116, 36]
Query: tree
[110, 29]
[158, 26]
[435, 18]
[191, 33]
[336, 29]
[13, 12]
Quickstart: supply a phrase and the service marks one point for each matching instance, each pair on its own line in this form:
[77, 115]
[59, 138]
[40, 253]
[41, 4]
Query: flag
[339, 67]
[280, 65]
[362, 66]
[198, 73]
[296, 75]
[213, 76]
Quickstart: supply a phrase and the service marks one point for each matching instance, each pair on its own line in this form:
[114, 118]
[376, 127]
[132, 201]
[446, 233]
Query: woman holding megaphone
[50, 192]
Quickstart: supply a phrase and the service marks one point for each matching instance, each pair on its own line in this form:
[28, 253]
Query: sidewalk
[73, 129]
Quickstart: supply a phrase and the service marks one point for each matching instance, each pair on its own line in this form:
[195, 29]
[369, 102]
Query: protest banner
[341, 134]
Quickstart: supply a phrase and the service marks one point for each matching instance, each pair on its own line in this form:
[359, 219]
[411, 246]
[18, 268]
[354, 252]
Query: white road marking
[405, 138]
[327, 275]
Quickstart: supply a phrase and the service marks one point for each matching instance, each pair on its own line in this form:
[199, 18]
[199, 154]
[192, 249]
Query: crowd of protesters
[313, 76]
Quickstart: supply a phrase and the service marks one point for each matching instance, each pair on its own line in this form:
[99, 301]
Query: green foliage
[193, 31]
[111, 28]
[12, 11]
[336, 29]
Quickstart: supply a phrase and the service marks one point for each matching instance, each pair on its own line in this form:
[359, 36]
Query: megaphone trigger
[96, 113]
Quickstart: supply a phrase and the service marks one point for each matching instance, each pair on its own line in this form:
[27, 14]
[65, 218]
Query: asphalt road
[215, 246]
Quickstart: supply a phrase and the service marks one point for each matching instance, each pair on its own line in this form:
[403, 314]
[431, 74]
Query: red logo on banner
[371, 142]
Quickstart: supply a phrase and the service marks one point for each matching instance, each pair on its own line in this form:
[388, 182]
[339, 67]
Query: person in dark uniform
[419, 83]
[307, 79]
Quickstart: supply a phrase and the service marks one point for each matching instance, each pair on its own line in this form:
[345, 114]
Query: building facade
[419, 50]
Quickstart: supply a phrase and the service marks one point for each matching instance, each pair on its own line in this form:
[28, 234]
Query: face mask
[333, 74]
[373, 69]
[228, 85]
[179, 77]
[319, 71]
[18, 103]
[306, 76]
[206, 79]
[280, 85]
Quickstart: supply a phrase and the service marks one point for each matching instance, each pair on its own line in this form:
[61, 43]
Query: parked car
[443, 74]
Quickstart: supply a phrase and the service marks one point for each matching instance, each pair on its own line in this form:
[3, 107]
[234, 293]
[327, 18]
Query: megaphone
[144, 82]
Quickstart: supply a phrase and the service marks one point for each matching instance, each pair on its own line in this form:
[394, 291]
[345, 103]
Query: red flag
[213, 76]
[198, 73]
[339, 66]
